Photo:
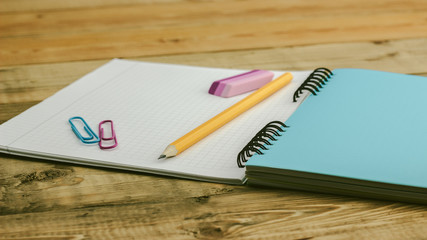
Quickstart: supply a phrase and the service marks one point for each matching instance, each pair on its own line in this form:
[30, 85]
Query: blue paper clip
[91, 138]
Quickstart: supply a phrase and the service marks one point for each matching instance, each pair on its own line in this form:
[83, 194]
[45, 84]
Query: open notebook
[151, 105]
[364, 133]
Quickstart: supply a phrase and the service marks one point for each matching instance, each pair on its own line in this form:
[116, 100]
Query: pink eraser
[214, 87]
[241, 83]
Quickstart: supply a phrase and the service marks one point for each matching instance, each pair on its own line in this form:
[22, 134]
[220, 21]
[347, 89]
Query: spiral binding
[314, 81]
[262, 138]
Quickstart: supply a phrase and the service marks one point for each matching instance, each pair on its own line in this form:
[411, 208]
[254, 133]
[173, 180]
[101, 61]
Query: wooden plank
[203, 27]
[149, 16]
[8, 6]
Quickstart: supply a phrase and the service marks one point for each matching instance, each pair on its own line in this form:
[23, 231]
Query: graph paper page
[151, 105]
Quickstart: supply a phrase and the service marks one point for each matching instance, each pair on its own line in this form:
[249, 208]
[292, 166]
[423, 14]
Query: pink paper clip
[108, 139]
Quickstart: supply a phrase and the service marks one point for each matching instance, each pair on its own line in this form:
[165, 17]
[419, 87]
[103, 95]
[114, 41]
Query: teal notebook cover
[363, 124]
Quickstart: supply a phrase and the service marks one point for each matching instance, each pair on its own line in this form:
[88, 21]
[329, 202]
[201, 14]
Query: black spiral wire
[260, 140]
[314, 81]
[267, 134]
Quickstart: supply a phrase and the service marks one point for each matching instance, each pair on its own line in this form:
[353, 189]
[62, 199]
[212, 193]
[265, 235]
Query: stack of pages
[363, 134]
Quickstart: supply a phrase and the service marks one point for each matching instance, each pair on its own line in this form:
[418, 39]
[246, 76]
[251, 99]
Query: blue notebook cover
[363, 124]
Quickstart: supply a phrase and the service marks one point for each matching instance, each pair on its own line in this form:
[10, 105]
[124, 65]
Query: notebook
[151, 105]
[364, 133]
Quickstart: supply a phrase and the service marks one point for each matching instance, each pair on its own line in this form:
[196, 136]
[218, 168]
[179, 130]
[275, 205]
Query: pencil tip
[162, 156]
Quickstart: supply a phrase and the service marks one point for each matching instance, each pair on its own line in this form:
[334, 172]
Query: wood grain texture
[46, 45]
[188, 27]
[11, 6]
[80, 202]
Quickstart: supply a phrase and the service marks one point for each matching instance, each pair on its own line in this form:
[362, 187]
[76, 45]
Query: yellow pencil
[224, 117]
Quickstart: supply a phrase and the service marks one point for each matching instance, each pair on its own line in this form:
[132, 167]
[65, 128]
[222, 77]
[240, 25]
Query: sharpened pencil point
[169, 152]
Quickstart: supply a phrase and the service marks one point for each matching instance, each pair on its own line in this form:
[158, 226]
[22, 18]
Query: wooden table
[46, 44]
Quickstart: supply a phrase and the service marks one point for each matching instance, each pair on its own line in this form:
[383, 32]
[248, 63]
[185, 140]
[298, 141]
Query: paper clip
[103, 138]
[91, 138]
